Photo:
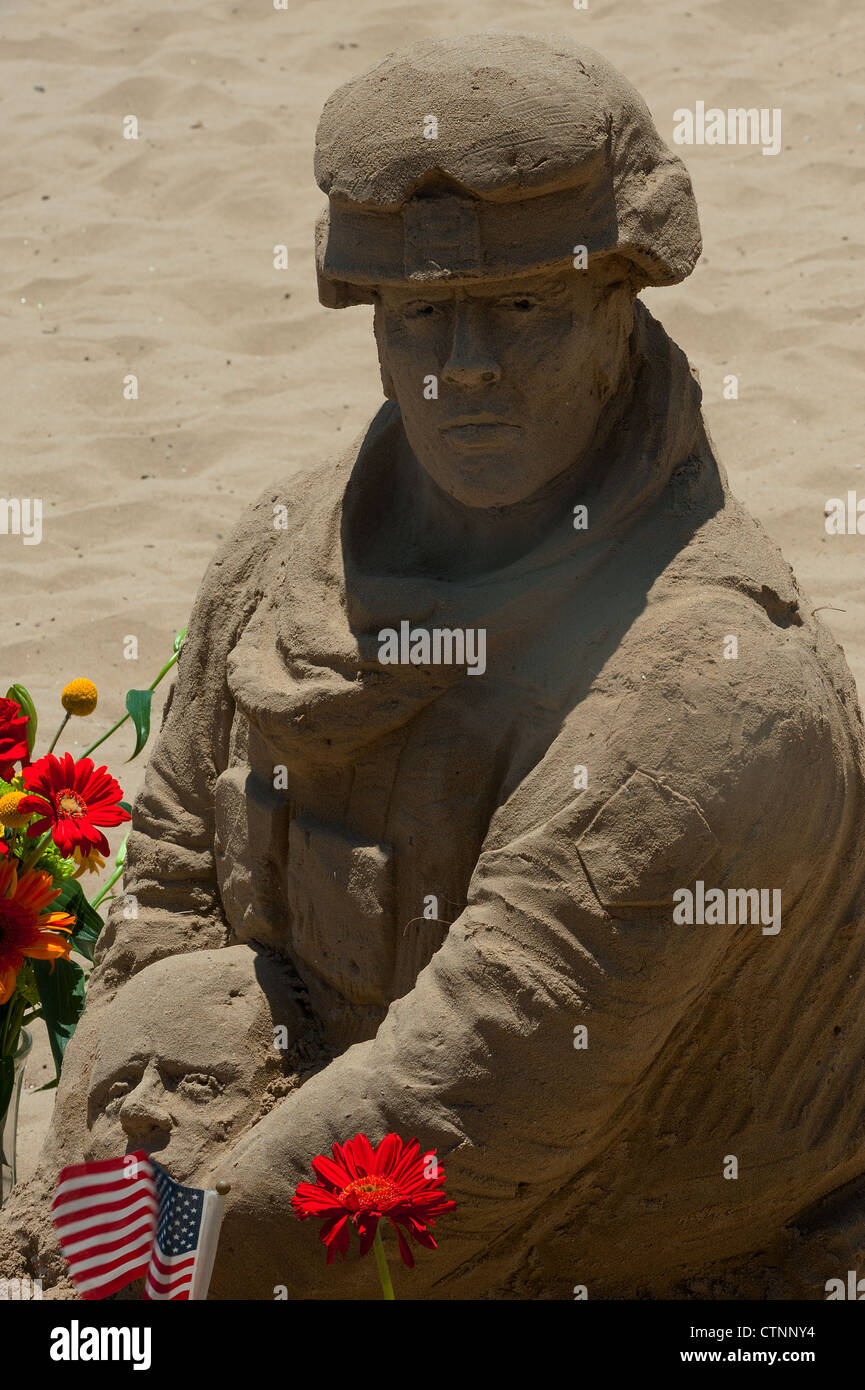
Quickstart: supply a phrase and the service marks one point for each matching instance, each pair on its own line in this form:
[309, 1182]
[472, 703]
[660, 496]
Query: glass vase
[9, 1121]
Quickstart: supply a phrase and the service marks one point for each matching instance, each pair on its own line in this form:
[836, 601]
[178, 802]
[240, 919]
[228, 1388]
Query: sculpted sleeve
[569, 922]
[170, 900]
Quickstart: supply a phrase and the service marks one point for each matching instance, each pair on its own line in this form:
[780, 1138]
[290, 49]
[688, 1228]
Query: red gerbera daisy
[72, 800]
[13, 737]
[359, 1186]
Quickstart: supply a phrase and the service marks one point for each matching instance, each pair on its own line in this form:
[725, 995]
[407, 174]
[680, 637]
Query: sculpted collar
[306, 670]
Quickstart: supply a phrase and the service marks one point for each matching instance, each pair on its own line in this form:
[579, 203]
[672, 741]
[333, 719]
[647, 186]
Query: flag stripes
[115, 1202]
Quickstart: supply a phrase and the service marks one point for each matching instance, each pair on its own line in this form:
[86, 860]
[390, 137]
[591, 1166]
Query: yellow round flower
[10, 816]
[79, 696]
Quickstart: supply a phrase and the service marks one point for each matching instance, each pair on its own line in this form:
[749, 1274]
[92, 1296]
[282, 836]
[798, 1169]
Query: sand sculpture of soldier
[457, 743]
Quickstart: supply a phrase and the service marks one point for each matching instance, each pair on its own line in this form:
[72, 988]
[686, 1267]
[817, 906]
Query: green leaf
[21, 695]
[62, 993]
[178, 641]
[138, 704]
[88, 923]
[25, 984]
[120, 857]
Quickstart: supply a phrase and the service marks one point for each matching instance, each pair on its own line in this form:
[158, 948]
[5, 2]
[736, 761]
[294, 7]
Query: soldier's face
[175, 1068]
[501, 385]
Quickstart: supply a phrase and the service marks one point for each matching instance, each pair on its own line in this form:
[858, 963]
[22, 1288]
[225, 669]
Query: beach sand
[154, 257]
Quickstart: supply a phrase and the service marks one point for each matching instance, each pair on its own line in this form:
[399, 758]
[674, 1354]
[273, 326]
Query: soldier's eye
[520, 303]
[420, 310]
[199, 1086]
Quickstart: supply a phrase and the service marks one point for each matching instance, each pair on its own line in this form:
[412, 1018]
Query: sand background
[155, 257]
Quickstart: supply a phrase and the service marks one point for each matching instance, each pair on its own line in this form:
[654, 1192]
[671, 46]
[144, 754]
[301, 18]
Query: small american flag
[178, 1240]
[123, 1218]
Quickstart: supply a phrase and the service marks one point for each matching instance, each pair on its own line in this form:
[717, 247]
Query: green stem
[114, 727]
[113, 879]
[12, 1026]
[381, 1261]
[88, 751]
[60, 731]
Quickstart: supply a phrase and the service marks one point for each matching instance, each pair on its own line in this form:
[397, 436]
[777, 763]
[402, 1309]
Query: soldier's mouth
[479, 432]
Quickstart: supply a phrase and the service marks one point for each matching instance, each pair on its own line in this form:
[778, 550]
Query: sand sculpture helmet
[186, 1055]
[500, 199]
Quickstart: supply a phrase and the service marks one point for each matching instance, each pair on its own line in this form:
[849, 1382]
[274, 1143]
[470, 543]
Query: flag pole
[211, 1224]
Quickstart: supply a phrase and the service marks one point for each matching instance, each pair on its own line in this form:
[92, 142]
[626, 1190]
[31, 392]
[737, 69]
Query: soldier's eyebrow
[129, 1072]
[422, 295]
[122, 1070]
[176, 1071]
[536, 285]
[536, 291]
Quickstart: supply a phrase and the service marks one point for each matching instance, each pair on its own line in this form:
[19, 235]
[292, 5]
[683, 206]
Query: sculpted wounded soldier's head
[501, 228]
[186, 1054]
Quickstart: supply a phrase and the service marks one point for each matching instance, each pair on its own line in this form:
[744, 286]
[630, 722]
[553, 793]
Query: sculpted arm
[478, 1059]
[170, 899]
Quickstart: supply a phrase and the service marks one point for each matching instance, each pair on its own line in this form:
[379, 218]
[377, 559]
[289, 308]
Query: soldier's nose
[471, 361]
[143, 1111]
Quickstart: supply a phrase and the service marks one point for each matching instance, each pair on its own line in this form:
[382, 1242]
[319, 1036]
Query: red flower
[27, 926]
[13, 737]
[72, 800]
[359, 1186]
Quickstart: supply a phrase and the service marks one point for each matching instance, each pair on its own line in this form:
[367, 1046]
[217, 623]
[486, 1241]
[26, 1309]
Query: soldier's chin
[484, 479]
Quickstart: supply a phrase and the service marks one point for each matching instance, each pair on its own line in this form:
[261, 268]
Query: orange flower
[27, 928]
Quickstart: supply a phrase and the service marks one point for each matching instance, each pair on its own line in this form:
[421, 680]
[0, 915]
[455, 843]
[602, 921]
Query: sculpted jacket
[307, 798]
